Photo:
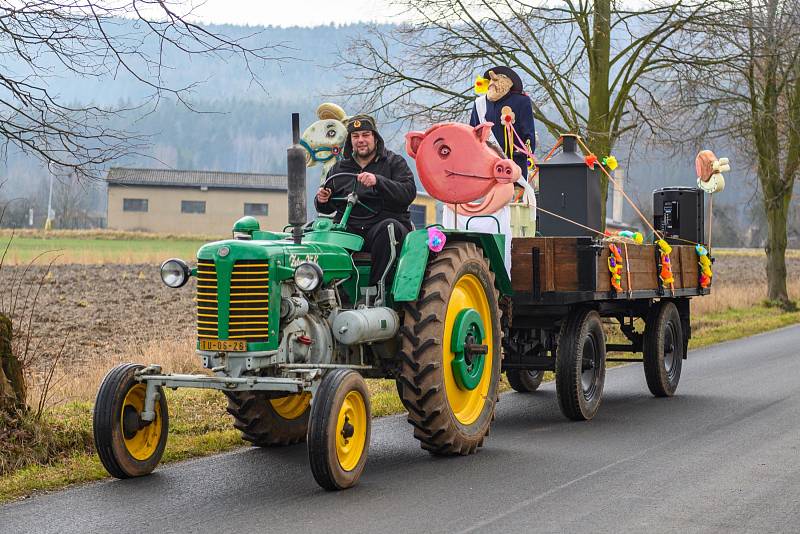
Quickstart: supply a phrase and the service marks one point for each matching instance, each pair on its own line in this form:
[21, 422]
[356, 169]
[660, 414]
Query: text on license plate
[221, 345]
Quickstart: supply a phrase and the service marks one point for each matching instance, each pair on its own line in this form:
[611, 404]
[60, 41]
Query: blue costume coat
[520, 104]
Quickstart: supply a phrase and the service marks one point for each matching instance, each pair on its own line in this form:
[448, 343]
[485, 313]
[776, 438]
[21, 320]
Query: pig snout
[506, 171]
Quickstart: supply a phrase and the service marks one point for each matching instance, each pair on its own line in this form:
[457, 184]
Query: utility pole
[48, 223]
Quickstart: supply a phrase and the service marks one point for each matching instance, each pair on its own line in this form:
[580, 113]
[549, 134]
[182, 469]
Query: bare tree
[745, 86]
[584, 61]
[96, 38]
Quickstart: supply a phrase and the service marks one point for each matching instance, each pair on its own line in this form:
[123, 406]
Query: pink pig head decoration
[456, 166]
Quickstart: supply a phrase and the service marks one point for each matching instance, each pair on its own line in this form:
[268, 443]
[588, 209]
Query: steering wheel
[340, 203]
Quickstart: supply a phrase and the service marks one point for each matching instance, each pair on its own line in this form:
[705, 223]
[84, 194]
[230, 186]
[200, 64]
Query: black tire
[580, 365]
[424, 358]
[663, 349]
[127, 446]
[326, 434]
[260, 424]
[524, 381]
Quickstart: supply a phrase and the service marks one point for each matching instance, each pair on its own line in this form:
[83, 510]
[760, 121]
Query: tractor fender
[414, 256]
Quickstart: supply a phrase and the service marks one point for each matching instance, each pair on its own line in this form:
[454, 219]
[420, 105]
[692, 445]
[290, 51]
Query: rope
[710, 219]
[624, 194]
[538, 208]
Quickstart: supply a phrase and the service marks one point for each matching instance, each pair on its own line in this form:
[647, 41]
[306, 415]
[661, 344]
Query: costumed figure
[458, 168]
[324, 140]
[503, 106]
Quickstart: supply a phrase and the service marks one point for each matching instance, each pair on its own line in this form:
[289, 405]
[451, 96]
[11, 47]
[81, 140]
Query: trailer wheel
[269, 422]
[524, 381]
[663, 349]
[580, 364]
[451, 352]
[128, 447]
[339, 432]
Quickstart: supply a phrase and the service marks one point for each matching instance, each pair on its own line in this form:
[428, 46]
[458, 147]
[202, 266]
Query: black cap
[361, 123]
[515, 79]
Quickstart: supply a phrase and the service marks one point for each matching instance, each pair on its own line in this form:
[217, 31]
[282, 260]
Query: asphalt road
[721, 456]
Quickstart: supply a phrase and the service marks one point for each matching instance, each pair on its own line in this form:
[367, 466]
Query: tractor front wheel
[338, 435]
[451, 352]
[127, 445]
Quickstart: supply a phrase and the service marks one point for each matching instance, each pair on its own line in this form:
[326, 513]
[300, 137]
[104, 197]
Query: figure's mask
[499, 86]
[456, 166]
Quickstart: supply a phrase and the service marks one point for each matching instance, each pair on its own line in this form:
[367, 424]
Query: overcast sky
[293, 12]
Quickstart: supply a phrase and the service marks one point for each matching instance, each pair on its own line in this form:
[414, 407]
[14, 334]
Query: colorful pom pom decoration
[436, 239]
[610, 162]
[481, 85]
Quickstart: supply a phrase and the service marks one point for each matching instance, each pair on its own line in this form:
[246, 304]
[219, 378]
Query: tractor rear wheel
[269, 422]
[451, 352]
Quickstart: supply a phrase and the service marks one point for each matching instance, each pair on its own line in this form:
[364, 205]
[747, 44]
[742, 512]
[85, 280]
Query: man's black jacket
[389, 197]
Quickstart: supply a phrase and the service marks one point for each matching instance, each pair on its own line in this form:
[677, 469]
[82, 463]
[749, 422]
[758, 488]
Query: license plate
[220, 345]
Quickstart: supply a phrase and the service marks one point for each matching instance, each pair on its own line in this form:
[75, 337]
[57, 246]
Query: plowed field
[113, 309]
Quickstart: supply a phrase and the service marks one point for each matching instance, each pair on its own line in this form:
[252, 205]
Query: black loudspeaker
[570, 189]
[679, 214]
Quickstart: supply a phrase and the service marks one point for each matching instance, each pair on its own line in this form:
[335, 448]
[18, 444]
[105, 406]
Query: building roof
[210, 179]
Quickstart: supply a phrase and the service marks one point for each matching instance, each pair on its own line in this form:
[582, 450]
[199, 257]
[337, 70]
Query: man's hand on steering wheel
[367, 179]
[324, 194]
[356, 179]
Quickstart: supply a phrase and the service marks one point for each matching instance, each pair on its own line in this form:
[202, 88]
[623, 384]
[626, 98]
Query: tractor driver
[385, 187]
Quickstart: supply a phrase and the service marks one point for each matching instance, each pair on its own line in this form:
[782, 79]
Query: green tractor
[289, 330]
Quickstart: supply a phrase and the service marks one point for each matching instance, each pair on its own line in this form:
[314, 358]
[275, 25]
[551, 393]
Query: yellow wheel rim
[351, 431]
[145, 442]
[467, 405]
[292, 406]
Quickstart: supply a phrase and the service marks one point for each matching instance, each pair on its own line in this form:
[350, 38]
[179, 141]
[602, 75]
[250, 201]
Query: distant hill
[246, 128]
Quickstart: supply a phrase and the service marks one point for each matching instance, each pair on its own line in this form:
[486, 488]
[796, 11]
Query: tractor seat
[362, 258]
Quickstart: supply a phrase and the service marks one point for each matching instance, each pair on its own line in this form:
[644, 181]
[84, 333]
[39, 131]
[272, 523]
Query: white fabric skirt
[483, 224]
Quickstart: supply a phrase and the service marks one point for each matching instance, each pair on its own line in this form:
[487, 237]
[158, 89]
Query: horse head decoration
[324, 139]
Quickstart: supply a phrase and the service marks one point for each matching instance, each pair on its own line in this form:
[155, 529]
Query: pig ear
[483, 131]
[413, 140]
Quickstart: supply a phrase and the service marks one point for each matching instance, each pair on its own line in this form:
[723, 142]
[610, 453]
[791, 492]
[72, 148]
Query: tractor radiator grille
[249, 312]
[248, 317]
[206, 299]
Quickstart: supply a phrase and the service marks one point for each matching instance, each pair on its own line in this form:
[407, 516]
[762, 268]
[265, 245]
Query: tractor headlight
[175, 273]
[308, 276]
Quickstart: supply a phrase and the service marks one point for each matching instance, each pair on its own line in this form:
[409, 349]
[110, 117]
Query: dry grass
[79, 382]
[731, 296]
[751, 252]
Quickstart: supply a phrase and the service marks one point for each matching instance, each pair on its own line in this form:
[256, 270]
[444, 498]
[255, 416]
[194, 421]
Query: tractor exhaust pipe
[296, 176]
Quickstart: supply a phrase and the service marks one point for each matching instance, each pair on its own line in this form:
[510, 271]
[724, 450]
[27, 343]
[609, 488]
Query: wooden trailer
[563, 291]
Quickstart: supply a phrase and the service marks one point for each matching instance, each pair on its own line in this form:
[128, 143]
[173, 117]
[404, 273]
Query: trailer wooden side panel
[560, 260]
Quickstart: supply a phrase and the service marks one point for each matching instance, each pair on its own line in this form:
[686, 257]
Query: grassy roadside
[199, 425]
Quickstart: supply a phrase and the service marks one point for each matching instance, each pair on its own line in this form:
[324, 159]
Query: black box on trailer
[679, 214]
[570, 189]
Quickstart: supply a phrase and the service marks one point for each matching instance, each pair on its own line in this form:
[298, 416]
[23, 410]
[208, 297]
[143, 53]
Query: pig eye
[444, 151]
